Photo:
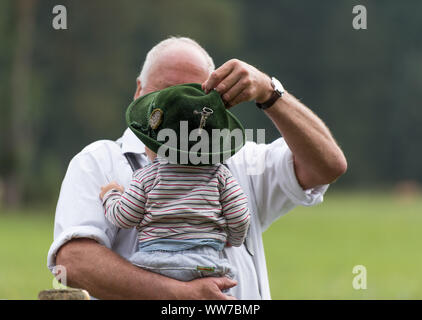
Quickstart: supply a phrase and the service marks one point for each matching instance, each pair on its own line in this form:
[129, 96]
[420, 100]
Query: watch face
[277, 86]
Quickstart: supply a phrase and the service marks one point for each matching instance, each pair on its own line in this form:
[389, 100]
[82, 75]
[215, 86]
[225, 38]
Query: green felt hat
[202, 131]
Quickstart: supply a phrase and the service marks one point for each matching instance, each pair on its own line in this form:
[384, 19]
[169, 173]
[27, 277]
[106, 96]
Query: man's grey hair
[171, 41]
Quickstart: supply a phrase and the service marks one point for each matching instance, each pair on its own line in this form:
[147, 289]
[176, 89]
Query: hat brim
[141, 127]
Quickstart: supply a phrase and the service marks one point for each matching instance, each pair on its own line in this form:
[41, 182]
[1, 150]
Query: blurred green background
[62, 89]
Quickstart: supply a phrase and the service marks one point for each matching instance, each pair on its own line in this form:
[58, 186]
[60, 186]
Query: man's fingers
[210, 288]
[247, 94]
[230, 96]
[228, 83]
[224, 283]
[217, 76]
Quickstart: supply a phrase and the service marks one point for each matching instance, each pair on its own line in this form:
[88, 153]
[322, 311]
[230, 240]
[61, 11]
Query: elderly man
[295, 170]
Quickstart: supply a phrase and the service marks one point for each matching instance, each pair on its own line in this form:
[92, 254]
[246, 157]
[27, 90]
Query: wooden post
[64, 294]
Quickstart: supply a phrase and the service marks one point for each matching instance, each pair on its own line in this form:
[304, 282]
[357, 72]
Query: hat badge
[155, 118]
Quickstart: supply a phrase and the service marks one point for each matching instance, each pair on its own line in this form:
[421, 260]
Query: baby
[185, 214]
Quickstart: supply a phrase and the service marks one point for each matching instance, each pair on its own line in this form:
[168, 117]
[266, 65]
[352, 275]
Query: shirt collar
[131, 143]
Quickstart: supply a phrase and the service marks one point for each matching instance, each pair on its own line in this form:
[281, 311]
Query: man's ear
[138, 89]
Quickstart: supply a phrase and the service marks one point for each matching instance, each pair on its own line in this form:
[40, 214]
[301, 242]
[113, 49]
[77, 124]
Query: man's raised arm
[318, 160]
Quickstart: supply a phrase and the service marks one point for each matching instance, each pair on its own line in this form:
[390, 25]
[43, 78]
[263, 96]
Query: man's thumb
[224, 283]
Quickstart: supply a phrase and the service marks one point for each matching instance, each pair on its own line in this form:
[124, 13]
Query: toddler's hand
[111, 185]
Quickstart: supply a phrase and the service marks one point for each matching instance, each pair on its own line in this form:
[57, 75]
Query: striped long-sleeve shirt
[179, 202]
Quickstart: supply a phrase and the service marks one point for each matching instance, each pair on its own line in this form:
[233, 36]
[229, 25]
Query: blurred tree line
[62, 89]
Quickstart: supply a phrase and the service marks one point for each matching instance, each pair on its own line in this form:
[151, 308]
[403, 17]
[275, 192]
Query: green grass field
[310, 252]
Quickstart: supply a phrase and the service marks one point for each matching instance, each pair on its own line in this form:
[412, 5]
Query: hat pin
[205, 113]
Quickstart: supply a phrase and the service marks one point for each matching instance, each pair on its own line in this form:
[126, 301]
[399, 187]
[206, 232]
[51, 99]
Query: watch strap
[265, 105]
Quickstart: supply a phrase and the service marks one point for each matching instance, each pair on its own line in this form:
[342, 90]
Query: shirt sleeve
[125, 210]
[268, 171]
[234, 206]
[79, 211]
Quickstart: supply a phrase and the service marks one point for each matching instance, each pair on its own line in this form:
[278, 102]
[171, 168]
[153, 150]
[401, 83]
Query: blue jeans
[185, 265]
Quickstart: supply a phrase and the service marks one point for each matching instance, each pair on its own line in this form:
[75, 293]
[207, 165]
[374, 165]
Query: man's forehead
[187, 55]
[186, 51]
[175, 65]
[175, 72]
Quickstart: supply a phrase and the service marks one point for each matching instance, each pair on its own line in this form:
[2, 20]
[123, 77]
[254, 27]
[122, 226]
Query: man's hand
[206, 289]
[110, 186]
[237, 81]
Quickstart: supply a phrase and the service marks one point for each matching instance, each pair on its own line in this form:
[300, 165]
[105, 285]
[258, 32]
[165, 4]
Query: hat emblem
[155, 118]
[205, 113]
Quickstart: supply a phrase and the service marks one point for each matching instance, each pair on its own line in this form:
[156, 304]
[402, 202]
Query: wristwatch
[277, 94]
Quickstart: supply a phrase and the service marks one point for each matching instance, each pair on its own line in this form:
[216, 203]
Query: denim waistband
[178, 245]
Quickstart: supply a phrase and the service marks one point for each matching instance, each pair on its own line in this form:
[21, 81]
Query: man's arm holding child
[106, 275]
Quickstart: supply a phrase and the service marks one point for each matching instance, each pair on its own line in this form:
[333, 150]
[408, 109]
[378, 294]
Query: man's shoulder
[100, 146]
[252, 152]
[98, 151]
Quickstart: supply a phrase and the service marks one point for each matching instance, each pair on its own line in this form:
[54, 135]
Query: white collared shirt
[265, 172]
